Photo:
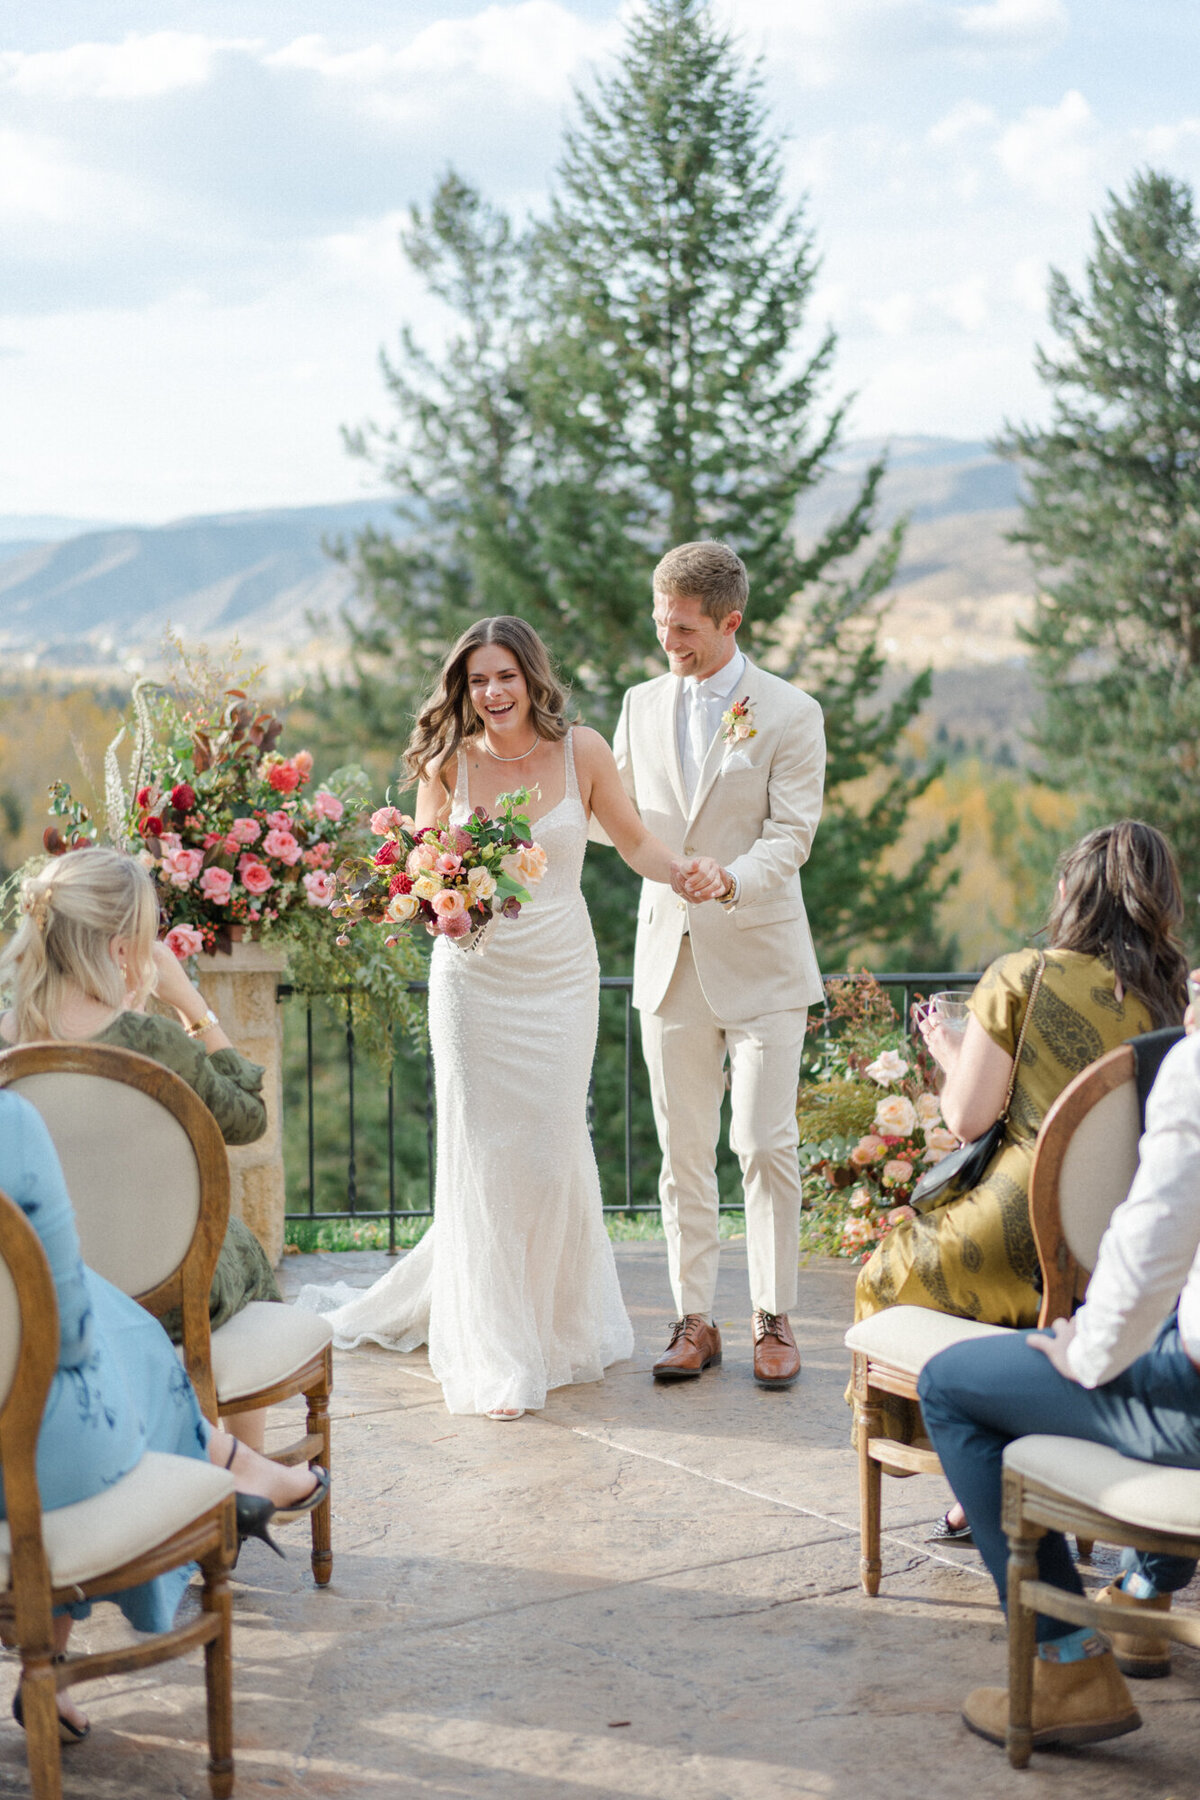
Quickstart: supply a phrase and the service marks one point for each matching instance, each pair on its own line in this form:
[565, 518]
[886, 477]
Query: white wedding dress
[514, 1286]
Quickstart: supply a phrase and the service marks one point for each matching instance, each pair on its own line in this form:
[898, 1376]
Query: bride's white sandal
[505, 1412]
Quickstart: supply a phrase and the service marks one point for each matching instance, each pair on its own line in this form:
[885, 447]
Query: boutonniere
[738, 723]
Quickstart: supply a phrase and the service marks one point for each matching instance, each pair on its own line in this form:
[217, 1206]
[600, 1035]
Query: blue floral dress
[119, 1388]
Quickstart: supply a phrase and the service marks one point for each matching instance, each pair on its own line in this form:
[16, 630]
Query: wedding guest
[1113, 969]
[81, 968]
[1125, 1371]
[118, 1391]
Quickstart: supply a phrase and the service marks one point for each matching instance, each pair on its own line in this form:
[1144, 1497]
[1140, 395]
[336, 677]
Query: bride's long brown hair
[448, 719]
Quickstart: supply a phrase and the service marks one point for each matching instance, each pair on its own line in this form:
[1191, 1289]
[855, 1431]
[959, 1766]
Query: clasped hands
[699, 879]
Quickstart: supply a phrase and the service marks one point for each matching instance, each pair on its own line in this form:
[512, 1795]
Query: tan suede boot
[1073, 1703]
[1142, 1657]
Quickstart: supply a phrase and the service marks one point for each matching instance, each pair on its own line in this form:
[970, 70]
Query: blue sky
[199, 206]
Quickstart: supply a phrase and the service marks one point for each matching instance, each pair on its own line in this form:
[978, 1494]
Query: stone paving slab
[641, 1592]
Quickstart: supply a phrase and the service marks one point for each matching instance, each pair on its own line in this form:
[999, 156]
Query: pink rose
[215, 885]
[867, 1150]
[302, 763]
[896, 1172]
[279, 821]
[320, 888]
[388, 818]
[448, 903]
[245, 831]
[284, 777]
[319, 857]
[256, 877]
[283, 846]
[423, 856]
[327, 805]
[183, 866]
[447, 863]
[184, 940]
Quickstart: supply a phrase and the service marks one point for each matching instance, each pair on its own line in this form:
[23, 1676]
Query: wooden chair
[1083, 1166]
[1066, 1484]
[145, 1162]
[167, 1511]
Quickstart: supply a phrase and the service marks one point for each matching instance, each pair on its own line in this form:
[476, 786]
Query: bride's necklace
[507, 759]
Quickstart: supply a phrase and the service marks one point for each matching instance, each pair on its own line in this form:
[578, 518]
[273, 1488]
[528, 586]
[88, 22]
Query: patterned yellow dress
[975, 1255]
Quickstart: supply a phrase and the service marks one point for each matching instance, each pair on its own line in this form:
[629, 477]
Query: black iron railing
[394, 1124]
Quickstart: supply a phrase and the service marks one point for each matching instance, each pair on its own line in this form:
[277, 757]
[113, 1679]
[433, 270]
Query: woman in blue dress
[118, 1391]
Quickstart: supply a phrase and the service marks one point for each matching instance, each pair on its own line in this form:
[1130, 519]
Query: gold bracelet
[202, 1025]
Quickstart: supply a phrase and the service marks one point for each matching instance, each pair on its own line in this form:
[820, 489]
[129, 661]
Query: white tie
[699, 734]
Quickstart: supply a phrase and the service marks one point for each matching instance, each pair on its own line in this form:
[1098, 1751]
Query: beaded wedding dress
[514, 1287]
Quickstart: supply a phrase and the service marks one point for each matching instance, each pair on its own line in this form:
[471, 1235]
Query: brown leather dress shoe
[695, 1344]
[776, 1358]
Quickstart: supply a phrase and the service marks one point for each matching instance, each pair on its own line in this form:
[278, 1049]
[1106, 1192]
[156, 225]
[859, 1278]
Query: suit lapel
[669, 741]
[747, 686]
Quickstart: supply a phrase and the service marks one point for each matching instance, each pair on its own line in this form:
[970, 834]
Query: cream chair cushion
[1136, 1493]
[146, 1507]
[905, 1337]
[10, 1331]
[264, 1344]
[1098, 1168]
[137, 1203]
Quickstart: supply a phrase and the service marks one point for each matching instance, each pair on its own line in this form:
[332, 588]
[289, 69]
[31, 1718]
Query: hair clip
[37, 907]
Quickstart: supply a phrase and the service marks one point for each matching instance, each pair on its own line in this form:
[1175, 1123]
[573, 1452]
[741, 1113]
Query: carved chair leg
[1085, 1546]
[39, 1703]
[218, 1672]
[322, 1519]
[868, 1419]
[1022, 1646]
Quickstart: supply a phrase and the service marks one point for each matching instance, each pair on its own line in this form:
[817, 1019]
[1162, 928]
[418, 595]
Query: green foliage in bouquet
[870, 1122]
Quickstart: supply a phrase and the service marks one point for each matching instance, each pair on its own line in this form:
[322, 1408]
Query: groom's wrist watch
[729, 895]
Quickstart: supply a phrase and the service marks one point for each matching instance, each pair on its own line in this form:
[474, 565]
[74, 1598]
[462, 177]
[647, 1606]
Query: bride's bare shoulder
[590, 746]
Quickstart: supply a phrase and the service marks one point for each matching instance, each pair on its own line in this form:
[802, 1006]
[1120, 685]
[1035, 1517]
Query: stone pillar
[240, 988]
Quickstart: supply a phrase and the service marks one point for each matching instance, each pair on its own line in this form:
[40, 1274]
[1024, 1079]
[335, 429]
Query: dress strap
[462, 796]
[572, 784]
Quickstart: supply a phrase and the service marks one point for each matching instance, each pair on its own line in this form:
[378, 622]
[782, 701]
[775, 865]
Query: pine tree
[627, 377]
[1112, 518]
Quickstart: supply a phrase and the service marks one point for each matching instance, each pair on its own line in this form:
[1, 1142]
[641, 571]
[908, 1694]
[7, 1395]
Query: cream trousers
[685, 1046]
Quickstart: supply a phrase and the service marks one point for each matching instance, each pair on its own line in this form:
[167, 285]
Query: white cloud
[1049, 150]
[535, 47]
[893, 316]
[1015, 24]
[1028, 284]
[1162, 141]
[42, 184]
[964, 302]
[141, 66]
[964, 118]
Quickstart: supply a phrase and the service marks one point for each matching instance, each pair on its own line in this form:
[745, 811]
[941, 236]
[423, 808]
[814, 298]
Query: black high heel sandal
[254, 1514]
[67, 1733]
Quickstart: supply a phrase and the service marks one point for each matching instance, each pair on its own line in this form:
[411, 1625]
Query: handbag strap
[1033, 994]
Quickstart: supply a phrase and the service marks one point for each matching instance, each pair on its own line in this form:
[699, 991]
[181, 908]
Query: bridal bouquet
[452, 879]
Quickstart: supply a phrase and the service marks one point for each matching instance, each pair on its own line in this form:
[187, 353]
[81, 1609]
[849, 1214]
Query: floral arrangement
[452, 879]
[221, 819]
[737, 722]
[863, 1149]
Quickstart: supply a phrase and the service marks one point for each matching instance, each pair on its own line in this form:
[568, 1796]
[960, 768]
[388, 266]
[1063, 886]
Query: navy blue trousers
[979, 1396]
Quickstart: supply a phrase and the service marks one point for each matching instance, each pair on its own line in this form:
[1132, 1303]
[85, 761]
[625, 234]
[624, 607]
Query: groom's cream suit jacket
[755, 809]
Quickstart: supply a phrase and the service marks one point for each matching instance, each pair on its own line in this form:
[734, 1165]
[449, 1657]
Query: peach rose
[426, 885]
[929, 1109]
[867, 1150]
[182, 866]
[895, 1117]
[302, 763]
[447, 903]
[896, 1172]
[526, 865]
[256, 877]
[481, 883]
[860, 1199]
[283, 846]
[320, 888]
[401, 908]
[938, 1138]
[420, 858]
[327, 805]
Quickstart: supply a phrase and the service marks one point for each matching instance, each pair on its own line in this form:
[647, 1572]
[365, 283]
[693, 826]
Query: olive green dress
[975, 1255]
[231, 1088]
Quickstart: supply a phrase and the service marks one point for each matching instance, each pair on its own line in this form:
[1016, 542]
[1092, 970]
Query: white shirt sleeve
[1150, 1254]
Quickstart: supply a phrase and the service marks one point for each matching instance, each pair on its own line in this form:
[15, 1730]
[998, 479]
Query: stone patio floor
[640, 1593]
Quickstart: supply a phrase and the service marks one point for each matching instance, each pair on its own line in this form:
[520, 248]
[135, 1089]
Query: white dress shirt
[1150, 1253]
[698, 715]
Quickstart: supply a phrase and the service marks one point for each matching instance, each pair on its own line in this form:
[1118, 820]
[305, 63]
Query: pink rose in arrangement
[448, 904]
[284, 777]
[867, 1150]
[302, 763]
[327, 805]
[388, 818]
[282, 846]
[896, 1172]
[256, 877]
[183, 866]
[422, 857]
[320, 888]
[184, 940]
[215, 885]
[319, 857]
[447, 863]
[279, 821]
[245, 831]
[938, 1143]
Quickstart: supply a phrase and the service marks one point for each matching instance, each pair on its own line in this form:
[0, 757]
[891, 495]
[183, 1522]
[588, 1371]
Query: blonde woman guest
[81, 967]
[514, 1287]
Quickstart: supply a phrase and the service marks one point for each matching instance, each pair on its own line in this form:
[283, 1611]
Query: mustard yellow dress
[975, 1255]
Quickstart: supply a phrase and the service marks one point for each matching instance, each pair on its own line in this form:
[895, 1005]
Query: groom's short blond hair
[707, 571]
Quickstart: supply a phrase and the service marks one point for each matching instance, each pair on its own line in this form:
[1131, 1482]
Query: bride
[514, 1288]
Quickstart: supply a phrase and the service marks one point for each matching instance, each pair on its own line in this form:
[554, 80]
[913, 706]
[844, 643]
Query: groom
[724, 760]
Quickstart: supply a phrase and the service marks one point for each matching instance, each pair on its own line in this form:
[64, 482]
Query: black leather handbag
[962, 1169]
